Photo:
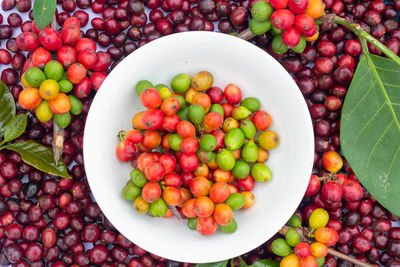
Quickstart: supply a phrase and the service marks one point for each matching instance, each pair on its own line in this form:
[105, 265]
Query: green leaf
[265, 263]
[7, 107]
[370, 129]
[242, 263]
[39, 156]
[15, 127]
[43, 12]
[213, 264]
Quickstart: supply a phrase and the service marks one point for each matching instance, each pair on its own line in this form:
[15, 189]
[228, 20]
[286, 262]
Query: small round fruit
[131, 192]
[206, 225]
[191, 222]
[54, 70]
[235, 201]
[76, 105]
[65, 86]
[261, 11]
[29, 98]
[140, 205]
[202, 81]
[251, 103]
[150, 98]
[318, 218]
[165, 92]
[309, 261]
[34, 76]
[292, 237]
[141, 85]
[60, 104]
[233, 94]
[315, 8]
[290, 261]
[332, 161]
[262, 120]
[268, 140]
[294, 221]
[188, 208]
[219, 192]
[180, 83]
[299, 48]
[158, 208]
[175, 141]
[76, 72]
[151, 192]
[259, 28]
[49, 89]
[62, 120]
[208, 142]
[196, 113]
[172, 196]
[291, 37]
[203, 207]
[302, 250]
[280, 247]
[241, 169]
[282, 19]
[225, 159]
[138, 178]
[170, 106]
[43, 112]
[319, 250]
[326, 236]
[278, 45]
[249, 199]
[24, 83]
[260, 172]
[200, 186]
[223, 214]
[230, 228]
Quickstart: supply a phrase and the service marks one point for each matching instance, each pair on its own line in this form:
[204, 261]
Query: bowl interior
[230, 60]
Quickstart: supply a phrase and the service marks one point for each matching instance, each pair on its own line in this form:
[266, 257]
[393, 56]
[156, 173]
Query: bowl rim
[307, 155]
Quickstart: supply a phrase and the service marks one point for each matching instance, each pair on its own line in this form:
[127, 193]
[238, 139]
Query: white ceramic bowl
[230, 60]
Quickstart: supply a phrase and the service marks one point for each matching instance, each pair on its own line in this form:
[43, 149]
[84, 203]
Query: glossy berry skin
[291, 37]
[332, 161]
[313, 186]
[125, 150]
[298, 6]
[50, 39]
[302, 250]
[331, 192]
[282, 19]
[28, 41]
[352, 191]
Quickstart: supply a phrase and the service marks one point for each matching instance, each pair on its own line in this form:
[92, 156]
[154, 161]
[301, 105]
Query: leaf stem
[362, 34]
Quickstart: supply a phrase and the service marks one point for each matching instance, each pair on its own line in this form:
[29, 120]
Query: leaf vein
[379, 68]
[391, 163]
[389, 84]
[362, 98]
[383, 90]
[368, 122]
[376, 144]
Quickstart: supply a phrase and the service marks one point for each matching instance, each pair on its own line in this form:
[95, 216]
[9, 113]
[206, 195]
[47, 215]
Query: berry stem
[246, 35]
[331, 251]
[122, 135]
[58, 141]
[362, 34]
[58, 132]
[175, 212]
